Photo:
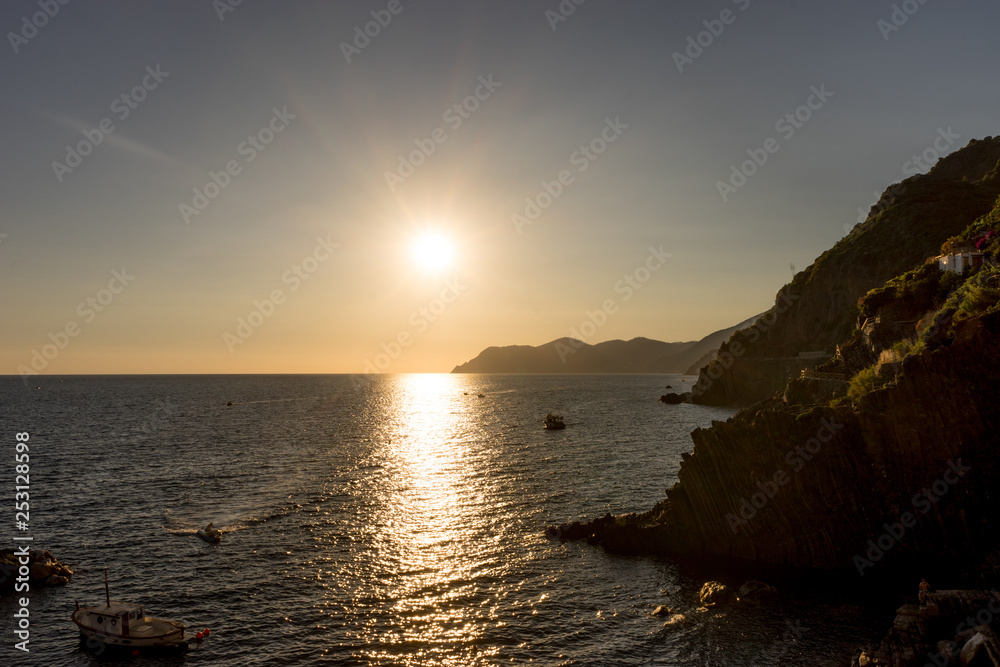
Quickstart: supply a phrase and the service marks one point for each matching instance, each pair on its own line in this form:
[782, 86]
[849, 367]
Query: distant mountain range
[569, 355]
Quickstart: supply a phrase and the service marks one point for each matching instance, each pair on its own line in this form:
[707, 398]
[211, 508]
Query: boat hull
[169, 636]
[169, 642]
[213, 537]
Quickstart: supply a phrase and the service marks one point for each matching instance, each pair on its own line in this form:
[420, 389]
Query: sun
[433, 252]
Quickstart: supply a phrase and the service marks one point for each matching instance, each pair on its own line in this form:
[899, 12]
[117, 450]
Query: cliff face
[913, 470]
[885, 459]
[818, 308]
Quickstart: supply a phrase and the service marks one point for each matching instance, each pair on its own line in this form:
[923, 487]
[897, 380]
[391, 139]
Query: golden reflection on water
[435, 507]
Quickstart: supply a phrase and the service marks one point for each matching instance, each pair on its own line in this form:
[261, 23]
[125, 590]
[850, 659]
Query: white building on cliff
[961, 259]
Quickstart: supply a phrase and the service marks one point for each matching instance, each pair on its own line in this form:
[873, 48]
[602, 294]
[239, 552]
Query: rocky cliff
[883, 462]
[908, 479]
[817, 310]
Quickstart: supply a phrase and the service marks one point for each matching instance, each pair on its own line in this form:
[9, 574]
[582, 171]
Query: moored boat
[554, 422]
[125, 624]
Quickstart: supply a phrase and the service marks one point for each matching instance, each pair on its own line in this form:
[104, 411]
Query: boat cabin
[120, 619]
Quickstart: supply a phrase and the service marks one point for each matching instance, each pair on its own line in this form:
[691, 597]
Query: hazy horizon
[254, 188]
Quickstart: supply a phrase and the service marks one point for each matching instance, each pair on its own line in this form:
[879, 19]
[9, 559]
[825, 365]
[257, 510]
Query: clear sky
[120, 120]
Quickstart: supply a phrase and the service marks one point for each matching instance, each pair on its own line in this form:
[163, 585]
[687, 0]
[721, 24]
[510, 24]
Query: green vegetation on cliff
[938, 301]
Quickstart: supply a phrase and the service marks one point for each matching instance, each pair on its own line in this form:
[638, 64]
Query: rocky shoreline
[955, 627]
[896, 485]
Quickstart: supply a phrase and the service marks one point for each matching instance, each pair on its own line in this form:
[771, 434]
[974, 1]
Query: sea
[376, 520]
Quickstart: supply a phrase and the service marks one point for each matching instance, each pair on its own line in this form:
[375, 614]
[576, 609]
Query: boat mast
[107, 591]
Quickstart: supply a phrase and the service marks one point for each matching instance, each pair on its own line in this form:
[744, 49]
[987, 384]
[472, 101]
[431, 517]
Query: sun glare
[433, 252]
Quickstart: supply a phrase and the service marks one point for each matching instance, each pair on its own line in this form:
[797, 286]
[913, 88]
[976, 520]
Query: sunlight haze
[258, 152]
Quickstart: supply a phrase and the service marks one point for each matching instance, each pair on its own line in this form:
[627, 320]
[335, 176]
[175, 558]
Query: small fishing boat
[210, 534]
[125, 624]
[554, 422]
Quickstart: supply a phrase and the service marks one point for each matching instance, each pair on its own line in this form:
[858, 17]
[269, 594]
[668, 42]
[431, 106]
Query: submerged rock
[756, 589]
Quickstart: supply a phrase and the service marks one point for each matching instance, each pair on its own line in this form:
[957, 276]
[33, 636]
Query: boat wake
[190, 526]
[178, 526]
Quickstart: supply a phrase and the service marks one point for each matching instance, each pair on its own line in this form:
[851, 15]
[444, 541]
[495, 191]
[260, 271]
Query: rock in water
[756, 589]
[674, 399]
[43, 568]
[714, 593]
[56, 580]
[663, 610]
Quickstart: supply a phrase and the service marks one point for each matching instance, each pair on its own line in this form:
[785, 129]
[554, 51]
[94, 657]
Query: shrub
[862, 384]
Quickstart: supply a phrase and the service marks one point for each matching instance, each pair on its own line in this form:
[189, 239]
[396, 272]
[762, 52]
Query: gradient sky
[323, 176]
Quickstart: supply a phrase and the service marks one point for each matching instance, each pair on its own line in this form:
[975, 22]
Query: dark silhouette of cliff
[822, 486]
[568, 355]
[883, 461]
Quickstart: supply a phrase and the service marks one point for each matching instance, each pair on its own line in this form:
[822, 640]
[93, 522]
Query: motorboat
[125, 624]
[210, 534]
[554, 422]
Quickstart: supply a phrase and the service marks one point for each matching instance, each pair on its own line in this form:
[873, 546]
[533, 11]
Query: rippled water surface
[390, 520]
